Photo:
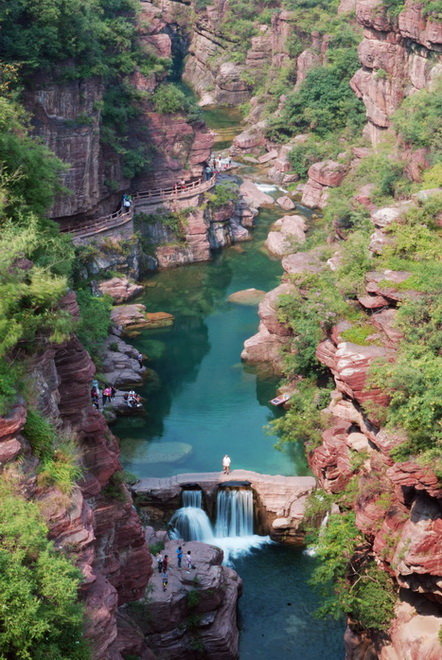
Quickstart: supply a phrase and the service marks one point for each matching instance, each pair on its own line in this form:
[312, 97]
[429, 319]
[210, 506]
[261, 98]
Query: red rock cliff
[102, 534]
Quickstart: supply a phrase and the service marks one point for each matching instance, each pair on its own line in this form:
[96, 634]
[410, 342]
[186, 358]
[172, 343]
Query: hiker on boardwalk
[126, 202]
[226, 464]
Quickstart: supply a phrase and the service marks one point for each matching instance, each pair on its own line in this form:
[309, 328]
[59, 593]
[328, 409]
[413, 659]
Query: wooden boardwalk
[140, 200]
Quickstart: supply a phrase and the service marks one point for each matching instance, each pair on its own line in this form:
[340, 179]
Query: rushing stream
[206, 404]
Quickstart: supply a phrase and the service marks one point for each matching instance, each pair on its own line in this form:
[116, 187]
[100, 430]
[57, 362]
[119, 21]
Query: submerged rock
[168, 452]
[247, 297]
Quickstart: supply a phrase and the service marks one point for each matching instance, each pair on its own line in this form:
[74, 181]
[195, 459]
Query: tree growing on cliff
[40, 616]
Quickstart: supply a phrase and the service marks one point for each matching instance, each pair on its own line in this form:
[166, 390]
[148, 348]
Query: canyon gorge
[283, 235]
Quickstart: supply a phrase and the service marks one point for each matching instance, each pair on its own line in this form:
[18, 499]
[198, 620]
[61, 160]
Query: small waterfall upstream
[233, 529]
[192, 498]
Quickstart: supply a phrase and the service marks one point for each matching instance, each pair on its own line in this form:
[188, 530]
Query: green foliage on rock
[29, 292]
[360, 589]
[57, 451]
[79, 38]
[29, 171]
[302, 421]
[419, 120]
[94, 322]
[222, 194]
[40, 616]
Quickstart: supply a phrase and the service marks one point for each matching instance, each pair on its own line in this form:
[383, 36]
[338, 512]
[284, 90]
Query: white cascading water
[191, 524]
[234, 523]
[234, 512]
[311, 549]
[192, 498]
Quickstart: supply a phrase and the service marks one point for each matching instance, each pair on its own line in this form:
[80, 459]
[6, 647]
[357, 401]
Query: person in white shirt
[226, 464]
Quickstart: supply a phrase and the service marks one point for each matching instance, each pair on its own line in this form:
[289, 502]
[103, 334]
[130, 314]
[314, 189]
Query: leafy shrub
[360, 588]
[94, 322]
[30, 171]
[222, 194]
[29, 296]
[58, 453]
[302, 421]
[418, 120]
[310, 312]
[41, 616]
[169, 98]
[324, 103]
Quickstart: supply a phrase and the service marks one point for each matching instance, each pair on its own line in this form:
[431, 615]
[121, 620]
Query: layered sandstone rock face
[197, 608]
[103, 535]
[67, 117]
[265, 347]
[397, 58]
[321, 177]
[398, 506]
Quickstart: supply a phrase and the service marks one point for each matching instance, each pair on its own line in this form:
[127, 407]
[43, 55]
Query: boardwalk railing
[147, 198]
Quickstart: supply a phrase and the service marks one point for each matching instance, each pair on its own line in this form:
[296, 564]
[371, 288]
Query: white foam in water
[234, 524]
[266, 187]
[269, 187]
[238, 546]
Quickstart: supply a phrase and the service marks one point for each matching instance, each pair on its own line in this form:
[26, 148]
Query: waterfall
[233, 527]
[311, 549]
[234, 513]
[192, 498]
[191, 524]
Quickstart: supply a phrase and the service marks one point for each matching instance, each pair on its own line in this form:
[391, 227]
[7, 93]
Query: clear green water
[207, 398]
[277, 609]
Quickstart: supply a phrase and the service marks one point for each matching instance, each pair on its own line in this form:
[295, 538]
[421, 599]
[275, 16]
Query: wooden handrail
[120, 217]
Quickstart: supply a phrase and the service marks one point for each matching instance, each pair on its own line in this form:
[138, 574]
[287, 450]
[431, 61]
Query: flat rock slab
[247, 297]
[253, 196]
[120, 289]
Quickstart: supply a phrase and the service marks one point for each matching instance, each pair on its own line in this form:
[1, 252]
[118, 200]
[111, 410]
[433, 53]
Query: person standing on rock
[226, 464]
[189, 564]
[179, 555]
[165, 579]
[165, 562]
[159, 559]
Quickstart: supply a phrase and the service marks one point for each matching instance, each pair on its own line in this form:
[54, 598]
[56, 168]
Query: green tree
[40, 615]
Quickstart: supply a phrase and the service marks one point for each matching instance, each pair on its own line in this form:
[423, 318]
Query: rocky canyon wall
[398, 57]
[96, 525]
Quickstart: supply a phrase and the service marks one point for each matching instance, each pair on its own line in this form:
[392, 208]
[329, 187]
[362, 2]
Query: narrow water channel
[206, 404]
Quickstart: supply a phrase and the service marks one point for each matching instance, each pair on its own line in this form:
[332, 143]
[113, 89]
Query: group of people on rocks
[163, 564]
[107, 394]
[217, 164]
[133, 399]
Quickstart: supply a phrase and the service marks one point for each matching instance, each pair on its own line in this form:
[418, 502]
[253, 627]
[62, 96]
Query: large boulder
[206, 594]
[287, 233]
[265, 348]
[253, 196]
[120, 289]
